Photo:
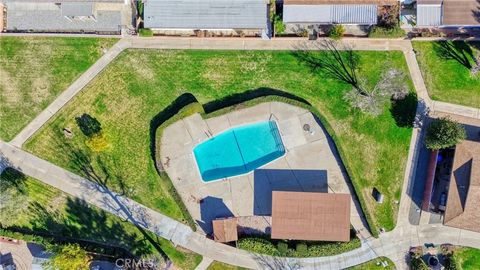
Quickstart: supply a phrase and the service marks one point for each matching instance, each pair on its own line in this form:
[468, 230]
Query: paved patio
[310, 164]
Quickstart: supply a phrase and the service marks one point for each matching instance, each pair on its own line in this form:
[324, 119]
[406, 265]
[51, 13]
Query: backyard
[32, 207]
[125, 101]
[468, 258]
[35, 70]
[445, 69]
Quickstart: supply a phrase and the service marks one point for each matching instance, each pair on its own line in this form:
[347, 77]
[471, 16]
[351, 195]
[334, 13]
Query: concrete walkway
[204, 264]
[68, 94]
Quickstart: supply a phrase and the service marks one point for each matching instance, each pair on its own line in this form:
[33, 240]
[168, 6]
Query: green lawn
[447, 79]
[30, 205]
[375, 265]
[223, 266]
[33, 71]
[125, 100]
[468, 258]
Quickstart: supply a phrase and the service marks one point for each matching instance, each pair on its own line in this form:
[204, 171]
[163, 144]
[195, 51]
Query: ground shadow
[212, 208]
[404, 110]
[12, 179]
[167, 113]
[459, 51]
[234, 99]
[274, 263]
[267, 180]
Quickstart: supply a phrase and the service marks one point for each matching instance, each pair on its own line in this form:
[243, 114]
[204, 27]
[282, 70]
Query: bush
[282, 248]
[88, 124]
[383, 32]
[257, 245]
[97, 143]
[302, 249]
[444, 133]
[337, 31]
[278, 24]
[450, 262]
[417, 263]
[145, 32]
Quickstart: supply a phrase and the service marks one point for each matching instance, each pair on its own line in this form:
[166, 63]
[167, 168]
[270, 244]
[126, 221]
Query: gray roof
[429, 15]
[365, 14]
[48, 17]
[206, 14]
[77, 9]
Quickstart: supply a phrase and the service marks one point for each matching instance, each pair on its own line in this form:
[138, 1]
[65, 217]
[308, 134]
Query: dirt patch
[9, 89]
[40, 89]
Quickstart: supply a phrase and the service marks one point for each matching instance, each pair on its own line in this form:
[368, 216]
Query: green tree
[417, 263]
[68, 257]
[444, 133]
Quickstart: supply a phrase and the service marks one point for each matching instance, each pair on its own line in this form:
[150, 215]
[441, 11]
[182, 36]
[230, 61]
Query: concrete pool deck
[310, 164]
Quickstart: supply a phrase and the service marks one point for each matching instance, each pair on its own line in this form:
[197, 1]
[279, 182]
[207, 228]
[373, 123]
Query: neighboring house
[448, 13]
[20, 255]
[244, 17]
[464, 190]
[326, 12]
[68, 16]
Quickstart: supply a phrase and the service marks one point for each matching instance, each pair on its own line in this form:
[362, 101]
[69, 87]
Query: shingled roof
[464, 190]
[310, 216]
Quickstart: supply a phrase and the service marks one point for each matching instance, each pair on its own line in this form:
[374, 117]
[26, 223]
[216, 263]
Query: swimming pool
[239, 150]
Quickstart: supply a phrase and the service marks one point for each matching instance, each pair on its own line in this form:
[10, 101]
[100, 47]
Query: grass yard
[33, 71]
[448, 79]
[375, 265]
[30, 205]
[223, 266]
[139, 84]
[468, 258]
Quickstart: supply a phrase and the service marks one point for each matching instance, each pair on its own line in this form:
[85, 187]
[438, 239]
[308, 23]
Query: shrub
[278, 24]
[444, 133]
[450, 262]
[88, 124]
[337, 31]
[97, 143]
[302, 249]
[417, 263]
[69, 256]
[383, 32]
[282, 248]
[258, 245]
[145, 32]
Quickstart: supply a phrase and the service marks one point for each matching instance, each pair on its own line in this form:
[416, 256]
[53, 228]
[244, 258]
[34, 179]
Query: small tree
[89, 125]
[417, 263]
[337, 31]
[68, 257]
[444, 133]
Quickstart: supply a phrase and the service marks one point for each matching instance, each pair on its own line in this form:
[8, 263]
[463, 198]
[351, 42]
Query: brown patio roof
[461, 12]
[310, 216]
[225, 230]
[464, 190]
[339, 2]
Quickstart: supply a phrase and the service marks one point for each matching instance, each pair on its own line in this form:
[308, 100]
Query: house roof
[339, 2]
[464, 190]
[225, 230]
[327, 14]
[310, 216]
[461, 12]
[48, 17]
[77, 9]
[206, 14]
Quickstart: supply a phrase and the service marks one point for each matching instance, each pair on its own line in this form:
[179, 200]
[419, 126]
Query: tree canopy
[68, 257]
[444, 133]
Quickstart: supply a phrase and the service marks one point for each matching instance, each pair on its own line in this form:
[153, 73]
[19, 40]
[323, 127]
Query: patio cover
[225, 230]
[310, 216]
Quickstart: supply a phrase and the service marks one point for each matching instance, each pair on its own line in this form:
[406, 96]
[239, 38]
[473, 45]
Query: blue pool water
[239, 150]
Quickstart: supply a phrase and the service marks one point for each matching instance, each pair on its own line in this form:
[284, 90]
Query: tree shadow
[476, 13]
[459, 51]
[404, 110]
[101, 178]
[338, 63]
[274, 263]
[11, 178]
